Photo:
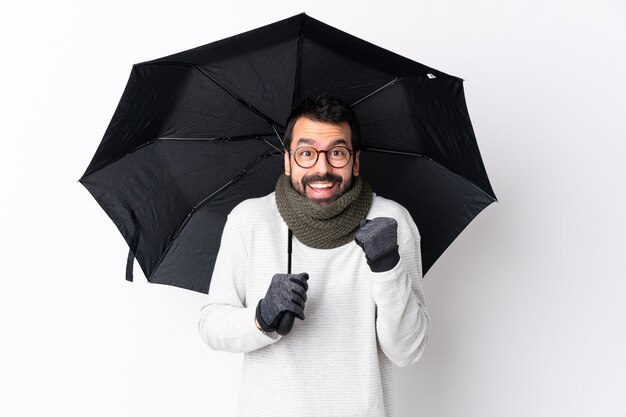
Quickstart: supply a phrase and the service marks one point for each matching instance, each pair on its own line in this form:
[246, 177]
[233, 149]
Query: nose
[322, 166]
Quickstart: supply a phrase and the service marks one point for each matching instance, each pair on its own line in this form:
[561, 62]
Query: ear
[355, 167]
[287, 163]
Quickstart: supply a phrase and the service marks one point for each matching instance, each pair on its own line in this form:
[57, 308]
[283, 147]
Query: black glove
[379, 240]
[287, 292]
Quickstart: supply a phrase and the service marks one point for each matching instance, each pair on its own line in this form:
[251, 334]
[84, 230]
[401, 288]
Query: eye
[338, 153]
[306, 153]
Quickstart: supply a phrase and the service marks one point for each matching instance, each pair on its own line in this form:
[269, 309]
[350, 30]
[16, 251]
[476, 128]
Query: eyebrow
[307, 141]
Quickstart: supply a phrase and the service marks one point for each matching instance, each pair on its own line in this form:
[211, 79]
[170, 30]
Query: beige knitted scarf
[323, 227]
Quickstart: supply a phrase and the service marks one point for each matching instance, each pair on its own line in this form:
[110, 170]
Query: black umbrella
[197, 132]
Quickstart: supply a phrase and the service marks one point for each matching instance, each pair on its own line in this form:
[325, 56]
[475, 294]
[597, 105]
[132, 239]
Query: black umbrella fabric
[197, 132]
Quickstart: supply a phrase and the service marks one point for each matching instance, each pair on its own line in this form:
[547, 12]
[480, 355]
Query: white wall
[527, 305]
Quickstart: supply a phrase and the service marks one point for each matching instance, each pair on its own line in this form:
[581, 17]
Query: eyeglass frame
[317, 155]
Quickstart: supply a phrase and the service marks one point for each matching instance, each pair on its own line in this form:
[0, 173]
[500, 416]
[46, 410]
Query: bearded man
[360, 285]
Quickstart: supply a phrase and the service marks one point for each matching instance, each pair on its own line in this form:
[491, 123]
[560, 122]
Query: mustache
[319, 178]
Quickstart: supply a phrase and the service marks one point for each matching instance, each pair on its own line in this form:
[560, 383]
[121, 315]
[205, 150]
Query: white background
[527, 306]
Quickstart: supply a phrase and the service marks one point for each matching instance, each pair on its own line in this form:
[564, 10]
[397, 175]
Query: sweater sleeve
[402, 322]
[226, 322]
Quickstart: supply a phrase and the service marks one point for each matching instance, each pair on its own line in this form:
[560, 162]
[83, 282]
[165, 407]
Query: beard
[343, 187]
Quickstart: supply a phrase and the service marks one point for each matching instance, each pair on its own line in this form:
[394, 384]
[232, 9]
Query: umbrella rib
[237, 177]
[197, 206]
[230, 139]
[389, 84]
[270, 152]
[278, 136]
[273, 146]
[239, 99]
[217, 138]
[165, 138]
[391, 151]
[383, 150]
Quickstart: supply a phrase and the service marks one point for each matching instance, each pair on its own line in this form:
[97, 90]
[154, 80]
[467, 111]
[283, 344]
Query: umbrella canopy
[197, 132]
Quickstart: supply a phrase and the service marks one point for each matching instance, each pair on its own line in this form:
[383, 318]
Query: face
[321, 183]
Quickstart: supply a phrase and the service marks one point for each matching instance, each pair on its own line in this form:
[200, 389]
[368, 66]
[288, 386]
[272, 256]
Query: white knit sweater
[337, 362]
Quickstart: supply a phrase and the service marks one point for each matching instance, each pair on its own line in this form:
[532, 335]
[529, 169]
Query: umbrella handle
[286, 323]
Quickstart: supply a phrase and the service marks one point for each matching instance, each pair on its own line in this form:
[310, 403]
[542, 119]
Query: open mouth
[321, 190]
[321, 185]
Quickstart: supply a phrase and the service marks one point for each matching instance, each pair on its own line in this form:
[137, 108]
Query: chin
[326, 201]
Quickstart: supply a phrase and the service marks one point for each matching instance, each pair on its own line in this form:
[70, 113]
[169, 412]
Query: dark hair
[328, 109]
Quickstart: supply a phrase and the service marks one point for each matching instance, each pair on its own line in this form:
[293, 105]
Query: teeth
[320, 185]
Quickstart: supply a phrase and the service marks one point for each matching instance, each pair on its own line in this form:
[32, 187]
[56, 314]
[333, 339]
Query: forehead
[312, 132]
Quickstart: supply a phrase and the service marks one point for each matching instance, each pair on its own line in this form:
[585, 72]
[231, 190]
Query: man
[359, 296]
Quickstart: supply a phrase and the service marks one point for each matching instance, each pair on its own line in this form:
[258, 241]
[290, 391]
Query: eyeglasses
[307, 156]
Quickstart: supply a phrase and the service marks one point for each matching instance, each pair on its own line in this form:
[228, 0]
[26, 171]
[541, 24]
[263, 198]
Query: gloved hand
[287, 292]
[379, 240]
